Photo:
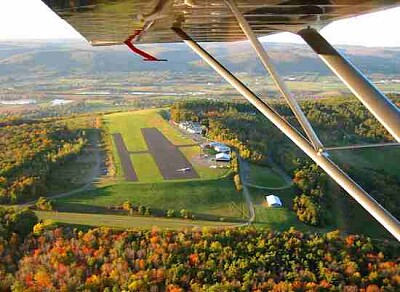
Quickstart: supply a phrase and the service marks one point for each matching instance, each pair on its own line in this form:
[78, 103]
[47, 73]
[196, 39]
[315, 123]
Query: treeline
[337, 121]
[311, 187]
[106, 143]
[29, 150]
[208, 260]
[15, 226]
[236, 124]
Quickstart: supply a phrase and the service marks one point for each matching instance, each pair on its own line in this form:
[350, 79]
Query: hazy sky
[31, 19]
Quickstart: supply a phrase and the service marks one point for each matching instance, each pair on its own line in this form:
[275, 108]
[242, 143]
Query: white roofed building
[222, 148]
[222, 157]
[273, 201]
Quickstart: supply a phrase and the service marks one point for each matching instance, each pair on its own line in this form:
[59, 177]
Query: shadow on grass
[85, 208]
[160, 213]
[198, 197]
[80, 227]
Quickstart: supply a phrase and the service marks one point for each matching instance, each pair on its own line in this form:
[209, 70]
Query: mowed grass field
[386, 159]
[146, 168]
[212, 197]
[124, 222]
[266, 177]
[272, 216]
[278, 218]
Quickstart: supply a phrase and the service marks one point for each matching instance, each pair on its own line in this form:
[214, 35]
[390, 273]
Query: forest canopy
[209, 260]
[28, 152]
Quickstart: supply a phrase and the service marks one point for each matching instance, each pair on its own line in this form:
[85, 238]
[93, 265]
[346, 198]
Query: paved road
[244, 172]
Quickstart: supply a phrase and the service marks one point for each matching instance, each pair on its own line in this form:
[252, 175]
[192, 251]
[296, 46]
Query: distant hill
[80, 58]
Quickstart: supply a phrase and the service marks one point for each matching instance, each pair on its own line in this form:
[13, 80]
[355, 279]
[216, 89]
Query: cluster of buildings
[191, 127]
[223, 151]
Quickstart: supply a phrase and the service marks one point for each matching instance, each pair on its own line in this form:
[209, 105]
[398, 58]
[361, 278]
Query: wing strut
[386, 112]
[269, 66]
[361, 196]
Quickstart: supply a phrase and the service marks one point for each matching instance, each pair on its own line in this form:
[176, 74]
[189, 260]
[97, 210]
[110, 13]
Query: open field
[265, 177]
[386, 159]
[124, 222]
[214, 197]
[379, 158]
[278, 218]
[152, 149]
[146, 167]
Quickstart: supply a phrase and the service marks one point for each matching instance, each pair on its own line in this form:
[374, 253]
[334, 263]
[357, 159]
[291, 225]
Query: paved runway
[167, 156]
[126, 163]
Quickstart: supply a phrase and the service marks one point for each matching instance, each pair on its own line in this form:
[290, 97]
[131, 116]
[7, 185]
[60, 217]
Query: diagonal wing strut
[320, 158]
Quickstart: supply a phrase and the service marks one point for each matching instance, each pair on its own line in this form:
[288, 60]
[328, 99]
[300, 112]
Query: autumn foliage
[28, 152]
[209, 260]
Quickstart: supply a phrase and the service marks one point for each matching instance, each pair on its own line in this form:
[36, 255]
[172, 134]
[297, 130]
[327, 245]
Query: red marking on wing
[147, 57]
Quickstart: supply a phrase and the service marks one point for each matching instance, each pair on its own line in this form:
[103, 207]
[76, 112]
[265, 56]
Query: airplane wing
[111, 22]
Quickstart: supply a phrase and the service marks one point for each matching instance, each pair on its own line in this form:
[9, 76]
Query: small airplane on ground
[184, 169]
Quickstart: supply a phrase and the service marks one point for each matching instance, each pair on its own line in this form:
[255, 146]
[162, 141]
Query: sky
[31, 19]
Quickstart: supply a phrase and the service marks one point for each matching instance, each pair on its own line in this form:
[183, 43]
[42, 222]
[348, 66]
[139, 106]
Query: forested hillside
[80, 58]
[29, 149]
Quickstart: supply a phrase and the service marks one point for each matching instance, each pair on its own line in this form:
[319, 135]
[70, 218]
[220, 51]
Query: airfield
[149, 155]
[171, 163]
[159, 167]
[147, 148]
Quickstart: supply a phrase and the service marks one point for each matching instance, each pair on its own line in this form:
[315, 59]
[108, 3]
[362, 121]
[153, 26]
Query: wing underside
[110, 22]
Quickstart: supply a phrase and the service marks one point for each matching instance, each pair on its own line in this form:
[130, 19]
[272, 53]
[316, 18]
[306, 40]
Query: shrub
[141, 209]
[306, 210]
[40, 227]
[238, 182]
[127, 206]
[185, 214]
[43, 204]
[171, 213]
[147, 211]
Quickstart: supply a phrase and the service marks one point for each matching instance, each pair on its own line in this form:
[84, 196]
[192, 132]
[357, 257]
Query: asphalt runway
[167, 156]
[126, 163]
